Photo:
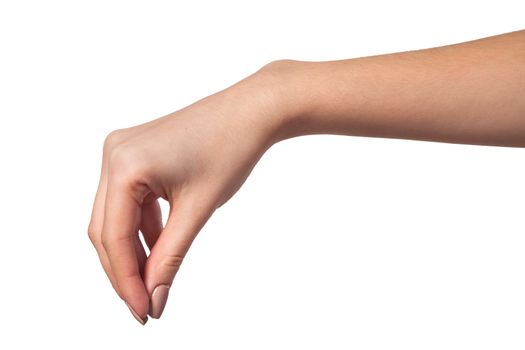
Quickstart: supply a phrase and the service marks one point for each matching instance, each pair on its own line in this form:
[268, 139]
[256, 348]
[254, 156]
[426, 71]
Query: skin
[198, 157]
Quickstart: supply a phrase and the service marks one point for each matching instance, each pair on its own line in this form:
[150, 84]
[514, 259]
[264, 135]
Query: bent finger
[151, 222]
[183, 224]
[119, 238]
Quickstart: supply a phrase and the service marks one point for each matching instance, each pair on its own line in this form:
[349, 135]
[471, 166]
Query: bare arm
[198, 157]
[472, 92]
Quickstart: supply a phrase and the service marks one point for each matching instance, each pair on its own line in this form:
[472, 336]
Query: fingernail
[158, 300]
[141, 320]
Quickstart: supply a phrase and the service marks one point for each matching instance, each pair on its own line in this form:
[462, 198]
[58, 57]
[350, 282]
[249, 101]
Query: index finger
[119, 234]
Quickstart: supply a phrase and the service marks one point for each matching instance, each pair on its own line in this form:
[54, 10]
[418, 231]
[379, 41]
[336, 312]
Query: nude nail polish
[158, 300]
[141, 320]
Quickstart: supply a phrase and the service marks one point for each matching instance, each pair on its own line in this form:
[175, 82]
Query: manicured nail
[158, 300]
[141, 320]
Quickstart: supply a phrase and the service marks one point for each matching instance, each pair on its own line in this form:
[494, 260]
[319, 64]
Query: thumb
[184, 223]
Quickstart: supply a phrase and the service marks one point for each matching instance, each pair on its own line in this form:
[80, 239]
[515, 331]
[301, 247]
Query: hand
[196, 159]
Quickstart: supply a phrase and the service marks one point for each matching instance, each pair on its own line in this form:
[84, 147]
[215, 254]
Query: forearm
[472, 92]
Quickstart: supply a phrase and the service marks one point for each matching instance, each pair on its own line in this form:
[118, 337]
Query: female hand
[196, 159]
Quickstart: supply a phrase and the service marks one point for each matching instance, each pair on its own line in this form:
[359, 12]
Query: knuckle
[172, 261]
[93, 234]
[106, 242]
[113, 139]
[126, 160]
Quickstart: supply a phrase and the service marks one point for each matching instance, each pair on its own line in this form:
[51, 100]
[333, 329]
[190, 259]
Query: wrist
[271, 104]
[285, 85]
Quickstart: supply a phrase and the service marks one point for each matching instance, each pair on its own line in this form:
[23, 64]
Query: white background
[333, 242]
